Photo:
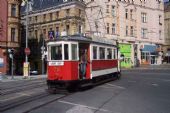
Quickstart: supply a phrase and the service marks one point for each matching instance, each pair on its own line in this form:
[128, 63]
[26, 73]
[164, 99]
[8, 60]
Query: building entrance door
[153, 59]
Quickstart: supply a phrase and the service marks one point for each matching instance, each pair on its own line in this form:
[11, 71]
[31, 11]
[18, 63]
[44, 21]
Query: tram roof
[85, 39]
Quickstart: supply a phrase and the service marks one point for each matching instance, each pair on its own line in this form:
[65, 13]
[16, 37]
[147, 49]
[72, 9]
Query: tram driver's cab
[65, 60]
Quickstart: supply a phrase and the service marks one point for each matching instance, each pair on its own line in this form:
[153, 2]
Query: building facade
[52, 19]
[136, 24]
[167, 33]
[9, 32]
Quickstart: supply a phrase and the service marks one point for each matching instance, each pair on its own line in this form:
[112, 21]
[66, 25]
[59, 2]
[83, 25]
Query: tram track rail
[23, 88]
[11, 105]
[20, 84]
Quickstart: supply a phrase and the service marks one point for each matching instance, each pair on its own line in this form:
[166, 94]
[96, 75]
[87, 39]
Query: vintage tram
[78, 61]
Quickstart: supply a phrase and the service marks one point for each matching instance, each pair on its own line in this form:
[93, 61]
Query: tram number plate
[56, 63]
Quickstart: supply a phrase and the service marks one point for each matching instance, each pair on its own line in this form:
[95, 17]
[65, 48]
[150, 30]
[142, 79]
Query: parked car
[33, 72]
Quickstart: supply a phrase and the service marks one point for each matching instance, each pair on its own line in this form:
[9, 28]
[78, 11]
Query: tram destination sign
[57, 63]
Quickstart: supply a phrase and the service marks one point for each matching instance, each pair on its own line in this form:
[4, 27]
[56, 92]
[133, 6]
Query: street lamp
[27, 50]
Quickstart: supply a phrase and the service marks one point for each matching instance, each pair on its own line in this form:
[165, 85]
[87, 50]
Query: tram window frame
[107, 53]
[55, 54]
[96, 57]
[114, 53]
[101, 57]
[75, 57]
[66, 54]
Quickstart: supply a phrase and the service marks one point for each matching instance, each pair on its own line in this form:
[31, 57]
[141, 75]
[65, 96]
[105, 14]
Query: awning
[149, 48]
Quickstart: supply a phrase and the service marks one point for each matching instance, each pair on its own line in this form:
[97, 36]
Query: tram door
[84, 58]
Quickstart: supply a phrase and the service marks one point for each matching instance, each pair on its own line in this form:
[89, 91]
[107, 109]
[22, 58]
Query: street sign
[27, 51]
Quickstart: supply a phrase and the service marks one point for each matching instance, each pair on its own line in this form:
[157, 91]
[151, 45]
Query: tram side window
[56, 52]
[94, 52]
[102, 53]
[74, 51]
[114, 53]
[109, 53]
[66, 52]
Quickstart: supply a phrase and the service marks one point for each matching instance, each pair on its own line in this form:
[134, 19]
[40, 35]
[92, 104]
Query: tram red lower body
[68, 74]
[68, 71]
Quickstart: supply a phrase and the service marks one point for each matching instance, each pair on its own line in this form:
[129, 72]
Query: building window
[79, 12]
[113, 28]
[108, 28]
[160, 34]
[144, 33]
[107, 9]
[143, 17]
[57, 14]
[44, 32]
[36, 34]
[127, 30]
[57, 31]
[67, 29]
[131, 31]
[67, 12]
[131, 14]
[160, 23]
[51, 16]
[80, 29]
[13, 10]
[36, 19]
[13, 34]
[126, 13]
[113, 11]
[44, 17]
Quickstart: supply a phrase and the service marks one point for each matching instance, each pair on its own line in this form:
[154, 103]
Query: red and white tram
[65, 68]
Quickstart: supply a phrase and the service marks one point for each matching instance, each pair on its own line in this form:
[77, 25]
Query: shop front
[150, 55]
[126, 51]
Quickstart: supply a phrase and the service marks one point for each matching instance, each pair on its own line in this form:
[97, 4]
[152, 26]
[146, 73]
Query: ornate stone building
[167, 33]
[51, 19]
[9, 31]
[138, 26]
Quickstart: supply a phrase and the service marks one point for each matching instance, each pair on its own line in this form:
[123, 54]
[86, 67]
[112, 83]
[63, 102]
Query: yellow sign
[26, 69]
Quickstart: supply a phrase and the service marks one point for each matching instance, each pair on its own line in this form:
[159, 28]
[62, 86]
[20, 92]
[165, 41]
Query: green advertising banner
[125, 49]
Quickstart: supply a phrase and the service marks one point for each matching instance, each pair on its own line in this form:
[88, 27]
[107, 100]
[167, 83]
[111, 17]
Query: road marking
[93, 108]
[155, 85]
[115, 86]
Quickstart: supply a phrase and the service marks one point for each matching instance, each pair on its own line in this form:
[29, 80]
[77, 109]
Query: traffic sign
[27, 51]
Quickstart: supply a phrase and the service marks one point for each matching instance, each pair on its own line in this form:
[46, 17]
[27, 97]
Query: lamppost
[27, 50]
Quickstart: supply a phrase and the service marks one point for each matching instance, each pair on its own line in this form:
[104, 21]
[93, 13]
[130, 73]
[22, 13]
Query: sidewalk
[153, 67]
[8, 78]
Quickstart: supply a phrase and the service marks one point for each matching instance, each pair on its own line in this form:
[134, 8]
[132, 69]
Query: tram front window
[56, 52]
